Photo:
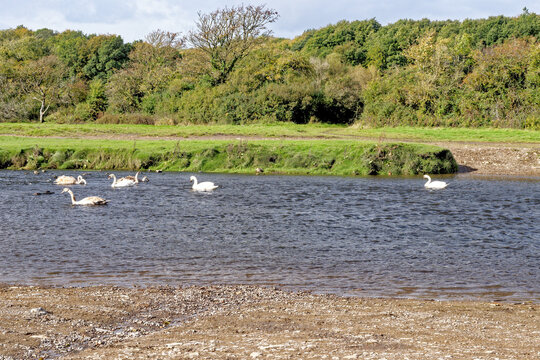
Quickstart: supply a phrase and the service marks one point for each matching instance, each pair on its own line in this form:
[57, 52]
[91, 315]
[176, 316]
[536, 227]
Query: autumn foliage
[230, 69]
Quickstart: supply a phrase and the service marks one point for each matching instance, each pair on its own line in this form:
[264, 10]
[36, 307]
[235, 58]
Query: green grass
[328, 157]
[90, 129]
[449, 134]
[282, 130]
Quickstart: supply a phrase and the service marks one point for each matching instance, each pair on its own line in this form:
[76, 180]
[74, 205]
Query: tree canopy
[227, 35]
[229, 69]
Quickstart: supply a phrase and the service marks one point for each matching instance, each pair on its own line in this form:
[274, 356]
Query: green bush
[83, 112]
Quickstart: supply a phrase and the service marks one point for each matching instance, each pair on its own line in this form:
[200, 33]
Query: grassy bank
[318, 131]
[328, 157]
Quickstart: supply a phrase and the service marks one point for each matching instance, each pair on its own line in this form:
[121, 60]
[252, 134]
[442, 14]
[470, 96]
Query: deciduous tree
[229, 34]
[108, 53]
[151, 67]
[42, 81]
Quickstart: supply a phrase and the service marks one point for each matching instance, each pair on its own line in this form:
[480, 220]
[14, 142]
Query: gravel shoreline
[496, 159]
[254, 322]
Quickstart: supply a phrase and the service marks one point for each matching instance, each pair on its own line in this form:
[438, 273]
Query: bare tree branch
[160, 39]
[227, 35]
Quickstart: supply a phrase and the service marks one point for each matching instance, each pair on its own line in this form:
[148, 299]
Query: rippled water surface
[478, 238]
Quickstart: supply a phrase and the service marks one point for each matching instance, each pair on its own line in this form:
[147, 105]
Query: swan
[204, 186]
[69, 180]
[91, 200]
[122, 182]
[434, 184]
[133, 178]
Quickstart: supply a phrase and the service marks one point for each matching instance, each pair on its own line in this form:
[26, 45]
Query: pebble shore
[253, 322]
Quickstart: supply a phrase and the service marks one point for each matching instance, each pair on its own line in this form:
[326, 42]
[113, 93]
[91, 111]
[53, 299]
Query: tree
[70, 47]
[96, 98]
[157, 60]
[42, 80]
[164, 39]
[107, 53]
[151, 67]
[228, 35]
[347, 38]
[123, 91]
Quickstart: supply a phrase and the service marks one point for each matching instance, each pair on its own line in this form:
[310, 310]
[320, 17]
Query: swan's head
[192, 178]
[64, 190]
[110, 176]
[426, 176]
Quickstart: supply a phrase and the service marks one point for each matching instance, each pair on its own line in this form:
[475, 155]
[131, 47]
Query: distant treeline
[473, 73]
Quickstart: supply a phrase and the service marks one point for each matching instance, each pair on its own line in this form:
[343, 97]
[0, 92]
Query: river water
[476, 239]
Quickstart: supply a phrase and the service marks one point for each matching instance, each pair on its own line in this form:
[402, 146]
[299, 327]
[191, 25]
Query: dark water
[478, 238]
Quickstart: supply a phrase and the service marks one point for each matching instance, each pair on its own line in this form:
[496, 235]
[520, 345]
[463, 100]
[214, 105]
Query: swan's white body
[91, 200]
[204, 186]
[69, 180]
[434, 184]
[122, 182]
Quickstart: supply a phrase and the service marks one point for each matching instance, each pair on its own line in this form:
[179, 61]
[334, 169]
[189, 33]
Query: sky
[134, 19]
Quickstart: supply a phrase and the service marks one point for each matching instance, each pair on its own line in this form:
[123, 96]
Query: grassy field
[311, 131]
[322, 157]
[278, 148]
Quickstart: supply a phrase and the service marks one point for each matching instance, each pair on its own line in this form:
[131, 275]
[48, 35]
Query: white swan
[122, 182]
[91, 200]
[69, 180]
[434, 184]
[204, 186]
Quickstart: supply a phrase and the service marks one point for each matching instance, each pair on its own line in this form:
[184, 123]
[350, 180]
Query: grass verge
[282, 130]
[322, 157]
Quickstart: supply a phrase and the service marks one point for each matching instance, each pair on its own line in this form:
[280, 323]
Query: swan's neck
[114, 179]
[137, 177]
[195, 182]
[429, 179]
[73, 201]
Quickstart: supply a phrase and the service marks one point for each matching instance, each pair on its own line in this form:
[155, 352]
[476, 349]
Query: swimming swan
[91, 200]
[434, 184]
[69, 180]
[204, 186]
[122, 182]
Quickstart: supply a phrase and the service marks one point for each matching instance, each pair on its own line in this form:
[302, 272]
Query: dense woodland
[229, 69]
